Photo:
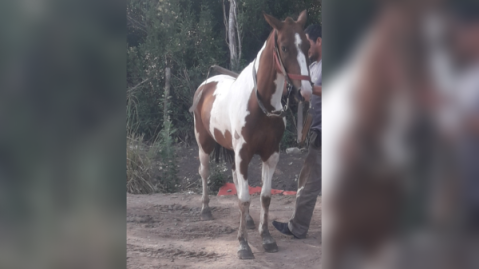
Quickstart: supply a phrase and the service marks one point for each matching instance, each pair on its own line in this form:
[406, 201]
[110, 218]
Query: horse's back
[209, 87]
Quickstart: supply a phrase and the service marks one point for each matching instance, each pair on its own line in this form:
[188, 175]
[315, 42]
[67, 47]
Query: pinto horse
[243, 116]
[373, 107]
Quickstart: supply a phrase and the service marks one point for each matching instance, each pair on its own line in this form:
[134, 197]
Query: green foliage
[169, 178]
[184, 35]
[189, 37]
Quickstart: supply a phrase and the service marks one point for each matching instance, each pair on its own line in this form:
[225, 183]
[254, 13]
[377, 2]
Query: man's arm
[317, 90]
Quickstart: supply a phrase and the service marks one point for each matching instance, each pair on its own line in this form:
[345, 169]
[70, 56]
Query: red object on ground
[230, 189]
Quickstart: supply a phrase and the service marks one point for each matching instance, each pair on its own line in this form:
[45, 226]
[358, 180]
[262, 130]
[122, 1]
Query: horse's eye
[284, 48]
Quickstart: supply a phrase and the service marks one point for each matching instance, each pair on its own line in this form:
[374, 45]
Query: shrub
[139, 167]
[169, 179]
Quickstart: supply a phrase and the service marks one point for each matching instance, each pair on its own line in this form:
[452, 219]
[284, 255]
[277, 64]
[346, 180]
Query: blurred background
[81, 80]
[62, 134]
[401, 141]
[401, 122]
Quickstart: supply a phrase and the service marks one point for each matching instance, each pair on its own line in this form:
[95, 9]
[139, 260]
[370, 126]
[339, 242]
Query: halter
[278, 63]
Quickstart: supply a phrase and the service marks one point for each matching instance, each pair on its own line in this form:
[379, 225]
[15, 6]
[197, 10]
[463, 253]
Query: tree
[233, 37]
[190, 36]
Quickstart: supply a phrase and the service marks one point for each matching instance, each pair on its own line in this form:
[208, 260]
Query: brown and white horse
[370, 109]
[244, 116]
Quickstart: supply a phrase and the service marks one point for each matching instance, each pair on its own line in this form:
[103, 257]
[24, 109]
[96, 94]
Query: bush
[169, 179]
[139, 167]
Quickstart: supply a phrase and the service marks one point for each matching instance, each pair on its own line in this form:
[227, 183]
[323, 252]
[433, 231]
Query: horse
[236, 118]
[370, 108]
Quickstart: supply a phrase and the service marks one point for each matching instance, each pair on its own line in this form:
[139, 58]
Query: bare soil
[165, 231]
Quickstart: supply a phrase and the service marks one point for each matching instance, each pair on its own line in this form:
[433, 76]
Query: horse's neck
[269, 83]
[360, 96]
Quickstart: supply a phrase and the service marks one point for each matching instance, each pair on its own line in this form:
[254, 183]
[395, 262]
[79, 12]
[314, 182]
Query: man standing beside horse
[309, 182]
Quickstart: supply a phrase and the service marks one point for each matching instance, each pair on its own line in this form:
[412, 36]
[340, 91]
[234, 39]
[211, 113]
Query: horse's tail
[196, 100]
[222, 153]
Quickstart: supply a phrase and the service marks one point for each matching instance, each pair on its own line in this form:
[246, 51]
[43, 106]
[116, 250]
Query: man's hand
[305, 96]
[316, 91]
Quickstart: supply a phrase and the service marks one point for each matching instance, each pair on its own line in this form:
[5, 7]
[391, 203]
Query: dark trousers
[309, 187]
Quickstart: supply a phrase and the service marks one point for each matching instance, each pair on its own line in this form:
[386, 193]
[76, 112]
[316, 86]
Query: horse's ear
[275, 23]
[302, 18]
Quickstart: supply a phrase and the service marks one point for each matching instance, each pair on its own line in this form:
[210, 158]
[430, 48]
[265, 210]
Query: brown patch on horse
[196, 99]
[265, 201]
[205, 99]
[224, 140]
[261, 133]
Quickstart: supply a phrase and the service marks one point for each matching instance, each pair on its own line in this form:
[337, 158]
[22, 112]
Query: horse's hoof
[245, 254]
[250, 224]
[206, 214]
[270, 247]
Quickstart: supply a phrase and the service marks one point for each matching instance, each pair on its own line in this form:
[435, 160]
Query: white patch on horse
[243, 188]
[305, 85]
[218, 117]
[267, 173]
[204, 168]
[278, 92]
[217, 78]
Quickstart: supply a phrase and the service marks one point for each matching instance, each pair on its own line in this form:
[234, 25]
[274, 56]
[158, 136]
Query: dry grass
[139, 167]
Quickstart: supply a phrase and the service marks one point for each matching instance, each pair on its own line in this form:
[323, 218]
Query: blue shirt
[317, 79]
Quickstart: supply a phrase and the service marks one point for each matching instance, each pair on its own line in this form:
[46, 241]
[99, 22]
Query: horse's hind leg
[269, 244]
[205, 173]
[249, 220]
[205, 147]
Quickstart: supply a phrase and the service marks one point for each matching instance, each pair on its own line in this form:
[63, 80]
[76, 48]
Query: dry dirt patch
[165, 231]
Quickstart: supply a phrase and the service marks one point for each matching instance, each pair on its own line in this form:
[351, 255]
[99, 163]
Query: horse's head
[291, 52]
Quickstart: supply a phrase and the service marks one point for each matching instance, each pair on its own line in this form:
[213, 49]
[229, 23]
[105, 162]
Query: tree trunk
[167, 93]
[233, 35]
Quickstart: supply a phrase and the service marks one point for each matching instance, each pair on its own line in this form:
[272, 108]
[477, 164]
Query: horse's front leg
[249, 220]
[269, 244]
[241, 163]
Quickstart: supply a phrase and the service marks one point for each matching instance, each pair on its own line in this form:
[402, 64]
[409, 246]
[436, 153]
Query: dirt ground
[165, 231]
